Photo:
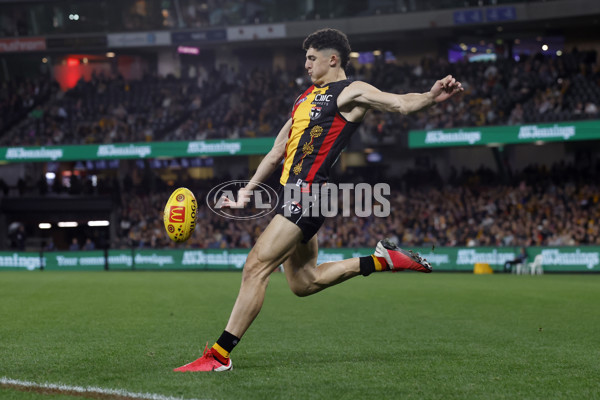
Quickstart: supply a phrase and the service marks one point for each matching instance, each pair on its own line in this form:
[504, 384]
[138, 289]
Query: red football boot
[207, 362]
[399, 259]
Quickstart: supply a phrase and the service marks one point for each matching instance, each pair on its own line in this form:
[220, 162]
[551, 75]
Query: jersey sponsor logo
[177, 214]
[315, 112]
[322, 98]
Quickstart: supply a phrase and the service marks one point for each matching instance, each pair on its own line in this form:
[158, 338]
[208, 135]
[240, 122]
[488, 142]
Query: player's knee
[301, 289]
[303, 286]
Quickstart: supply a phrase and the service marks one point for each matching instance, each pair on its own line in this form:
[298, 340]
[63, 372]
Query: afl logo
[180, 197]
[171, 228]
[260, 203]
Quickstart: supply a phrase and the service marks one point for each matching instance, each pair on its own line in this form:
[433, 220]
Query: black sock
[227, 341]
[367, 265]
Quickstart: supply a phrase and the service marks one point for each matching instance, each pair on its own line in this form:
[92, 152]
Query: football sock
[223, 346]
[367, 265]
[372, 263]
[380, 263]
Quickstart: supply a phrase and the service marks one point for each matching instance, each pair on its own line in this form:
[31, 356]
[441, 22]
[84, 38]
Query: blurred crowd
[535, 89]
[108, 109]
[21, 98]
[210, 104]
[543, 206]
[558, 206]
[553, 206]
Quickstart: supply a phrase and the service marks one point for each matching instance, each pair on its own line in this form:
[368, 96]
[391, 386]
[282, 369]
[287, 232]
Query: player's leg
[273, 246]
[305, 277]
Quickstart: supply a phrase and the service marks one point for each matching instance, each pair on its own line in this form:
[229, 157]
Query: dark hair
[329, 38]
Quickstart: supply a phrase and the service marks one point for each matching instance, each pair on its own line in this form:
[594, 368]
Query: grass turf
[388, 336]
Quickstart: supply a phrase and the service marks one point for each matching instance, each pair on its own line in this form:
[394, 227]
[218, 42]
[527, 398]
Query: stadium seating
[535, 267]
[469, 212]
[519, 269]
[108, 109]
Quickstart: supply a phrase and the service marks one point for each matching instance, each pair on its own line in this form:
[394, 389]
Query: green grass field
[388, 336]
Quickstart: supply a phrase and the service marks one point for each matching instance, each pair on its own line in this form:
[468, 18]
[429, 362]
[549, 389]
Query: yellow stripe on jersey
[300, 121]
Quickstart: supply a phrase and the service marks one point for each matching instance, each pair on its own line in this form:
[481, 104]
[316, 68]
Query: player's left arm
[273, 158]
[369, 96]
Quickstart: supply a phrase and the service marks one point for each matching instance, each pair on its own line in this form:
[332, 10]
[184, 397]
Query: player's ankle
[380, 263]
[217, 356]
[223, 346]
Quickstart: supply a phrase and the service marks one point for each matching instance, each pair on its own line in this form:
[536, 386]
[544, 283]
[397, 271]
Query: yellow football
[180, 215]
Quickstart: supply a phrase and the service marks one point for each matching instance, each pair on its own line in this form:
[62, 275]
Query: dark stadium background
[101, 73]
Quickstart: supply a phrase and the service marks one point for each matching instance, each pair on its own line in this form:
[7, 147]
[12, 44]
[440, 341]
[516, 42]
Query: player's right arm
[360, 96]
[266, 167]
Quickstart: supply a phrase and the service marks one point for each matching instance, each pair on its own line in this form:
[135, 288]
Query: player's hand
[445, 88]
[243, 198]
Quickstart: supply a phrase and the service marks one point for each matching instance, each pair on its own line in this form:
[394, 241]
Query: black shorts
[292, 211]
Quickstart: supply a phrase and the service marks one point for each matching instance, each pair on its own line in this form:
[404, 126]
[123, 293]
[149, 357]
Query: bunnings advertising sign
[20, 260]
[577, 259]
[463, 259]
[555, 259]
[211, 148]
[563, 131]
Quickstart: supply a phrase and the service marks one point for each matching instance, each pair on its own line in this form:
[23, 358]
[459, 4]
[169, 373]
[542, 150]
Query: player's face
[317, 64]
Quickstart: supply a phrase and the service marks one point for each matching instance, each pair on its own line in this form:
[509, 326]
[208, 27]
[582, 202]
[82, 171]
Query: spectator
[89, 245]
[591, 110]
[521, 258]
[74, 245]
[19, 238]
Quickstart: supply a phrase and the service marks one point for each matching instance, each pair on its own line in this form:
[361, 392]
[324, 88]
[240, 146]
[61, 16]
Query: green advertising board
[555, 259]
[213, 259]
[75, 261]
[464, 258]
[20, 260]
[200, 148]
[478, 136]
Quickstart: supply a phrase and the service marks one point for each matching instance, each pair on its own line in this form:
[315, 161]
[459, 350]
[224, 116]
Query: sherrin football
[180, 215]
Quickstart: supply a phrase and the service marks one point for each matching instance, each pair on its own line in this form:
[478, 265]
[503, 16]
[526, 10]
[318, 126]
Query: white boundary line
[89, 390]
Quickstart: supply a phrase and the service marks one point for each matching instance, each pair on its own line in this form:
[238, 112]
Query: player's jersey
[318, 135]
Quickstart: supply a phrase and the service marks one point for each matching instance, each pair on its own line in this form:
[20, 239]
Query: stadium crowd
[544, 206]
[22, 97]
[535, 89]
[554, 206]
[224, 104]
[534, 209]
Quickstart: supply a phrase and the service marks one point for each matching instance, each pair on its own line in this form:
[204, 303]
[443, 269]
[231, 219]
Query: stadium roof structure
[574, 17]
